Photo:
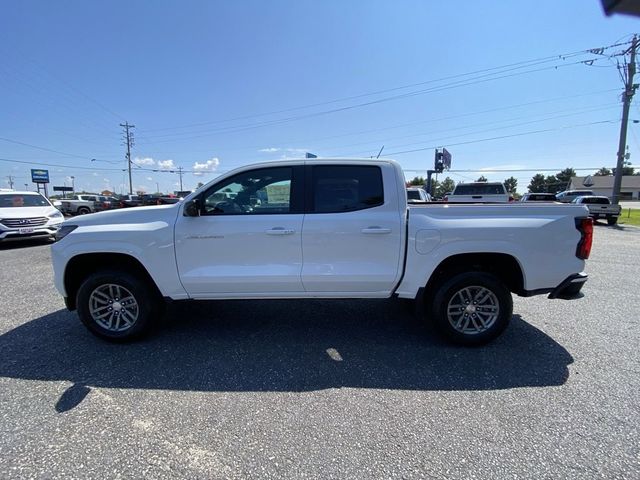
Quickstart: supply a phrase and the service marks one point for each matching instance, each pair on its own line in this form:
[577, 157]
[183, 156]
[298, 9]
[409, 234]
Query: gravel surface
[323, 389]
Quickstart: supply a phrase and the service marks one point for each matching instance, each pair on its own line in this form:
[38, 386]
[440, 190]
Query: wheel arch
[82, 265]
[504, 266]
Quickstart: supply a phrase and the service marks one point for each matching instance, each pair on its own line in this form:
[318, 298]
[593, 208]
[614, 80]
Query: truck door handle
[280, 231]
[375, 230]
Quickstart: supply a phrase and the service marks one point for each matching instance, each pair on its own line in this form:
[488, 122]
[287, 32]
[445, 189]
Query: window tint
[19, 200]
[267, 190]
[597, 200]
[345, 188]
[413, 194]
[489, 189]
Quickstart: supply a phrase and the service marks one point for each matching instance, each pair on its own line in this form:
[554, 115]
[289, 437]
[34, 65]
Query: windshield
[22, 200]
[413, 195]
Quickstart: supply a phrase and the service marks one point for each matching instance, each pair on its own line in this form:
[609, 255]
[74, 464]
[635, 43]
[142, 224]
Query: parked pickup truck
[479, 192]
[127, 201]
[83, 204]
[320, 228]
[600, 207]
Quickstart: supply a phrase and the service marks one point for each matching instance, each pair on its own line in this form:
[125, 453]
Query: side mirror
[192, 208]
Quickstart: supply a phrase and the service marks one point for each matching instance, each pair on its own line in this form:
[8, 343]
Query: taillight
[585, 226]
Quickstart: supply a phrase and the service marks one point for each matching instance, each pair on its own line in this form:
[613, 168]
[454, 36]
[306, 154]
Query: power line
[533, 132]
[37, 147]
[241, 128]
[579, 111]
[521, 64]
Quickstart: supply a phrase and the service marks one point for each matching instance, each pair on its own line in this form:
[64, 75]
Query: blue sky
[201, 80]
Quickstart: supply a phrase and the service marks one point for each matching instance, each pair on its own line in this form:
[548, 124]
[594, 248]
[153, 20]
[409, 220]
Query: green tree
[417, 181]
[511, 185]
[603, 172]
[564, 177]
[482, 179]
[447, 185]
[627, 169]
[553, 185]
[537, 184]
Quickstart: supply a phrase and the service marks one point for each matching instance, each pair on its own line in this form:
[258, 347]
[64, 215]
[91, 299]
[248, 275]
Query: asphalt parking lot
[310, 389]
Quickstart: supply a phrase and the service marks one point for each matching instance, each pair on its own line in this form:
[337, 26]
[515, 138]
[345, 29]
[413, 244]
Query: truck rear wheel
[83, 211]
[117, 306]
[472, 308]
[612, 220]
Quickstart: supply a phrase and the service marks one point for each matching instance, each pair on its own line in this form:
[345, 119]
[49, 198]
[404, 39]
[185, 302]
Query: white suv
[27, 215]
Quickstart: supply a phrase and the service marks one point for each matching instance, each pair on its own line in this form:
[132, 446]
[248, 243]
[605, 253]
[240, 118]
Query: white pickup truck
[479, 192]
[319, 228]
[83, 204]
[600, 207]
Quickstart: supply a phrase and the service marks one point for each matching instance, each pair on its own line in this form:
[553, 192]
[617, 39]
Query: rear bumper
[570, 287]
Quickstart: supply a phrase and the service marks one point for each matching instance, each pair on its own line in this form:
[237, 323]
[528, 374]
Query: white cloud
[166, 164]
[149, 179]
[95, 174]
[144, 161]
[269, 150]
[200, 169]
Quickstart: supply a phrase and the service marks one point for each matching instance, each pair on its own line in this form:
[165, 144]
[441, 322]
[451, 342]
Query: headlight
[64, 230]
[55, 215]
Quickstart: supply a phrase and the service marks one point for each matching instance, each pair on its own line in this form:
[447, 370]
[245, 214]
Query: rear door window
[345, 188]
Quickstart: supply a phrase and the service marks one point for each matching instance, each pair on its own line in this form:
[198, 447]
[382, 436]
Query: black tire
[148, 305]
[612, 220]
[83, 211]
[470, 330]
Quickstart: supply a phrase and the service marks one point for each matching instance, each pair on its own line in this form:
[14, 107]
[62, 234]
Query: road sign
[39, 176]
[446, 159]
[588, 181]
[63, 189]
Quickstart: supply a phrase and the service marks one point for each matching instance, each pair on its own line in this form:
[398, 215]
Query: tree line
[540, 183]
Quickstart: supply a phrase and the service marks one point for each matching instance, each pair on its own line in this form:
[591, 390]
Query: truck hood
[166, 213]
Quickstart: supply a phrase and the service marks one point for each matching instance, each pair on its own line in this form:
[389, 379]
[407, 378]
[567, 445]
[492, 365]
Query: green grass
[625, 219]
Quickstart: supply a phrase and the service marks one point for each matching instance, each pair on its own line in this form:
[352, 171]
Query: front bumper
[47, 230]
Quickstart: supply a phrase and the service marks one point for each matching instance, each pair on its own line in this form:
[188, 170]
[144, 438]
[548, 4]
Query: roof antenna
[378, 156]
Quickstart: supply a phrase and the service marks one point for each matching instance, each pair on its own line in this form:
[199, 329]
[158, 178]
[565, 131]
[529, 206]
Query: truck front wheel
[472, 308]
[117, 306]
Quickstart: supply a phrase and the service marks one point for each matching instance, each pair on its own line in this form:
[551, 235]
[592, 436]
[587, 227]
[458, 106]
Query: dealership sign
[39, 176]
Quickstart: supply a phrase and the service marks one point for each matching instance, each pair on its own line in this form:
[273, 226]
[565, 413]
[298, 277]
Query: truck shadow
[280, 346]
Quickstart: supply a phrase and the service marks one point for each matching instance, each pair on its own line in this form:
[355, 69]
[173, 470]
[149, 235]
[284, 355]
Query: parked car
[538, 197]
[569, 195]
[417, 194]
[479, 192]
[27, 215]
[360, 240]
[600, 207]
[127, 201]
[83, 204]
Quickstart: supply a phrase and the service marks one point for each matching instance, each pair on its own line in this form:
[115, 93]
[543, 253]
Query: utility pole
[10, 177]
[129, 139]
[180, 173]
[157, 187]
[629, 90]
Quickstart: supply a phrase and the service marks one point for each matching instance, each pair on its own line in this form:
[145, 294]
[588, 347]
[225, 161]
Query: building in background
[603, 185]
